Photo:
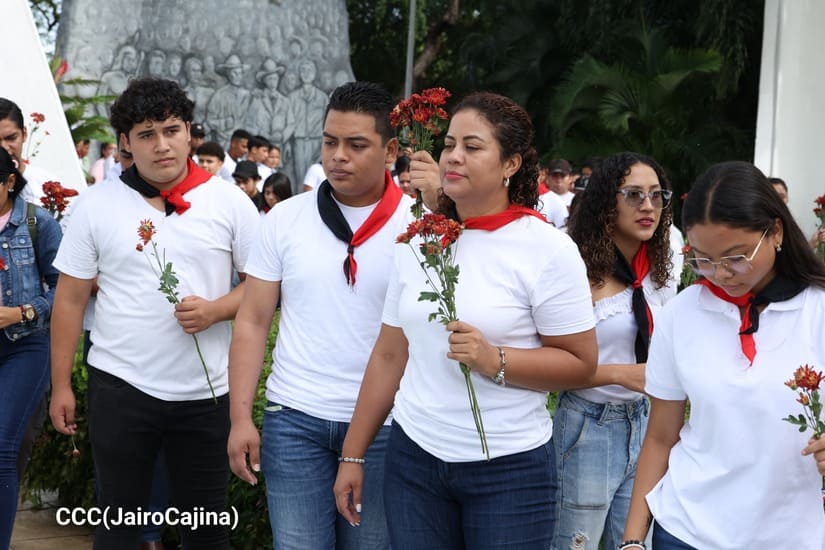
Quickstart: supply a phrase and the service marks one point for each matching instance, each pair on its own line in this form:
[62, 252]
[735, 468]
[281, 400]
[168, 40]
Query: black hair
[273, 146]
[103, 145]
[368, 98]
[10, 111]
[212, 149]
[737, 194]
[402, 164]
[513, 131]
[240, 134]
[7, 168]
[592, 221]
[257, 141]
[779, 181]
[153, 99]
[280, 184]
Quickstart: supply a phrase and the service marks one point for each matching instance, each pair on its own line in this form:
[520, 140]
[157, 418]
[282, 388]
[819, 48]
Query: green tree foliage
[654, 98]
[525, 48]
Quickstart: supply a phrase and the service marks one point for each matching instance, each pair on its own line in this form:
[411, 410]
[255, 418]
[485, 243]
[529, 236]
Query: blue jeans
[662, 540]
[503, 503]
[299, 458]
[596, 449]
[24, 375]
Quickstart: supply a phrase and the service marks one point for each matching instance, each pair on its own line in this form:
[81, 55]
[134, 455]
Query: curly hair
[149, 99]
[593, 220]
[513, 131]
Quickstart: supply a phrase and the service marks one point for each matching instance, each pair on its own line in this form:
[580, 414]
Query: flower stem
[206, 372]
[471, 393]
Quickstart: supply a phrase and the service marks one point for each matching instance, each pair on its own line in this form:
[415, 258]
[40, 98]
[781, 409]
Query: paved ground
[38, 530]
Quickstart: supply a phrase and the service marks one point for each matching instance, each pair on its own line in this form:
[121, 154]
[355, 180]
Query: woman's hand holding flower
[425, 176]
[468, 346]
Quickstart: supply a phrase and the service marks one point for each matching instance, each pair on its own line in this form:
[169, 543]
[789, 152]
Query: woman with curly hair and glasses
[734, 475]
[621, 223]
[526, 328]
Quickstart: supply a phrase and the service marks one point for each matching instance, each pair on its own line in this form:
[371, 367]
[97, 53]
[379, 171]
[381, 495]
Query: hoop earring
[506, 182]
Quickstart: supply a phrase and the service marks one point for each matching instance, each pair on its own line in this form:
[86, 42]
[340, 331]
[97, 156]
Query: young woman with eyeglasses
[621, 224]
[734, 474]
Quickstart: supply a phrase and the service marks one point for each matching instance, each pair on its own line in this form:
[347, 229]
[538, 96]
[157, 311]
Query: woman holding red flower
[733, 475]
[526, 327]
[25, 312]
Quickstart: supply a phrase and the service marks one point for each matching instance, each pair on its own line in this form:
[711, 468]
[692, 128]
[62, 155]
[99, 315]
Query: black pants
[128, 428]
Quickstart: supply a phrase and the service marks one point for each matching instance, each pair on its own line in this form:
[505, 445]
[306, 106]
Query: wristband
[499, 377]
[637, 544]
[351, 460]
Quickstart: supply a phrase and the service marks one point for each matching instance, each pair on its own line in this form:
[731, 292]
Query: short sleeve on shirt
[561, 298]
[661, 377]
[77, 255]
[264, 257]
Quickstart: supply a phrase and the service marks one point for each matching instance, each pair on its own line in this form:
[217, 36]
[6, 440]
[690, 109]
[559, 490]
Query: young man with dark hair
[210, 157]
[197, 135]
[258, 153]
[331, 293]
[238, 148]
[148, 389]
[248, 179]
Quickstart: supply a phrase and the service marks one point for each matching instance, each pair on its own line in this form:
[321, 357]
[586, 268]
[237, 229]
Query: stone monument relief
[266, 66]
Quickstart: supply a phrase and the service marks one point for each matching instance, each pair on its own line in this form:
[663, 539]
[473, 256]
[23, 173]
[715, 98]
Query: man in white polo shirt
[148, 389]
[326, 255]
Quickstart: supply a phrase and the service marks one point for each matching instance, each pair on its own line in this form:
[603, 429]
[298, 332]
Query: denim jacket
[29, 277]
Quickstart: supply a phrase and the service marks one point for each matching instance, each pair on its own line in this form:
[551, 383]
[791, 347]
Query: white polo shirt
[737, 479]
[136, 336]
[554, 209]
[327, 328]
[515, 283]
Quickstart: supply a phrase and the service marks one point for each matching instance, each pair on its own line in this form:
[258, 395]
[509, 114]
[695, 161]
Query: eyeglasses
[635, 197]
[738, 265]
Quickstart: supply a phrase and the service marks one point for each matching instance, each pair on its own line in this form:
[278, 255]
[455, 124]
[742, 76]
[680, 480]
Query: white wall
[790, 130]
[26, 80]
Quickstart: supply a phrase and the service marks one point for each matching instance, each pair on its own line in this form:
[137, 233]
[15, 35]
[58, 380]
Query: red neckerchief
[494, 221]
[195, 176]
[745, 335]
[641, 267]
[543, 188]
[333, 218]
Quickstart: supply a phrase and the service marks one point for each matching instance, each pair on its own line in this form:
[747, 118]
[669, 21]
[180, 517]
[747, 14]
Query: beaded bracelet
[351, 460]
[638, 544]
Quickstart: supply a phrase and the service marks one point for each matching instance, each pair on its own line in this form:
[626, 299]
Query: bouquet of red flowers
[419, 119]
[55, 198]
[806, 380]
[438, 235]
[820, 213]
[168, 281]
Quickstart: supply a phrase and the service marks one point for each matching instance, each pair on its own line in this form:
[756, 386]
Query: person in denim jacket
[27, 281]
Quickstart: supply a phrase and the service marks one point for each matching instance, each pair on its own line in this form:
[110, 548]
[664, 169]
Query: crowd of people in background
[568, 285]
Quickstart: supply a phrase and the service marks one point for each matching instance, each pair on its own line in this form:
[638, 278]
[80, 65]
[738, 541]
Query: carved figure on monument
[115, 80]
[227, 109]
[173, 67]
[175, 40]
[197, 90]
[155, 62]
[307, 104]
[269, 112]
[211, 77]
